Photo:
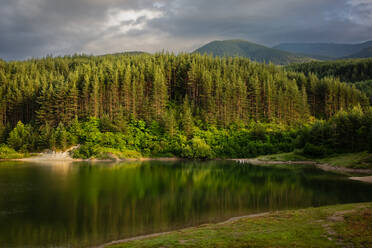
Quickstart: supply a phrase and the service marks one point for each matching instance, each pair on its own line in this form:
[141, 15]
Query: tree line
[347, 70]
[218, 91]
[193, 106]
[345, 132]
[356, 71]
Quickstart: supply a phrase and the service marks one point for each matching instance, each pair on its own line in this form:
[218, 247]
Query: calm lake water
[83, 204]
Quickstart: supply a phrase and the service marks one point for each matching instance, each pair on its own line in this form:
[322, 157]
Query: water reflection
[84, 204]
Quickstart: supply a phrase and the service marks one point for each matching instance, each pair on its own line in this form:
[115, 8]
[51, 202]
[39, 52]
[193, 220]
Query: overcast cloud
[35, 28]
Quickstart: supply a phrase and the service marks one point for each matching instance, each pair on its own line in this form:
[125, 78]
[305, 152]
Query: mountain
[250, 50]
[326, 50]
[365, 53]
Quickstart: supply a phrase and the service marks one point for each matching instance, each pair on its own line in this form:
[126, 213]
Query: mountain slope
[250, 50]
[365, 53]
[330, 50]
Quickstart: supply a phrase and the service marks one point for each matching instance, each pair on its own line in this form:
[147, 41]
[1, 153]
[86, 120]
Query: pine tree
[159, 94]
[61, 137]
[170, 122]
[187, 122]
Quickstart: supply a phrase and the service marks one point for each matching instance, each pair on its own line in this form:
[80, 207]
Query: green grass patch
[357, 228]
[361, 160]
[312, 227]
[291, 156]
[9, 153]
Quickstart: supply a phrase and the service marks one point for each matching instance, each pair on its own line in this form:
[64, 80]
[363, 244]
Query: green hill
[253, 51]
[325, 50]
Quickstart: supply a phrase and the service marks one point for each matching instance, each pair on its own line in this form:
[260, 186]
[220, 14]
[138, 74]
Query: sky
[36, 28]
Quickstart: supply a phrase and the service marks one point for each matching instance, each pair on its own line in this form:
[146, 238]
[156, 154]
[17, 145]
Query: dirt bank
[362, 179]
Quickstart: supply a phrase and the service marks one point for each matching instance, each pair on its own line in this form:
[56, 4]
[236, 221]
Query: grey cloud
[39, 27]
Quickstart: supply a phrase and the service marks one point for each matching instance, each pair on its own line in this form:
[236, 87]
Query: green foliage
[195, 106]
[116, 89]
[365, 87]
[348, 70]
[3, 133]
[197, 149]
[187, 122]
[88, 150]
[9, 153]
[105, 153]
[61, 136]
[345, 132]
[21, 138]
[316, 151]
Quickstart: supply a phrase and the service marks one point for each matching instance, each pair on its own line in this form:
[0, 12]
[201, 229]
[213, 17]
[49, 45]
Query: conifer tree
[187, 122]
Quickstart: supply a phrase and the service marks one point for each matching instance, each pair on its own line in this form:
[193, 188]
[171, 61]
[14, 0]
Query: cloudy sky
[35, 28]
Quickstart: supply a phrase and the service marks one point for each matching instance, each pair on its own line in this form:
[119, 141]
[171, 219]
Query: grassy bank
[360, 160]
[333, 226]
[9, 153]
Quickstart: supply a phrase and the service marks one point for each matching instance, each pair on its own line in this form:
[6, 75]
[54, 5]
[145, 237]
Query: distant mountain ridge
[365, 53]
[326, 50]
[251, 50]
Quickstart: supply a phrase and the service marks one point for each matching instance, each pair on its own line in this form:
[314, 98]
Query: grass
[360, 160]
[330, 226]
[357, 228]
[9, 153]
[291, 156]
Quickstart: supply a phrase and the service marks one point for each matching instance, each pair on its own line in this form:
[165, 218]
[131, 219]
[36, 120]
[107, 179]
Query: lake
[87, 204]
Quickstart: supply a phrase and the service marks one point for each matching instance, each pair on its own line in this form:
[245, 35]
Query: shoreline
[63, 158]
[41, 157]
[308, 218]
[153, 235]
[322, 166]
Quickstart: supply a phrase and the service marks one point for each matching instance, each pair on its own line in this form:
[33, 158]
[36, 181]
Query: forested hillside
[157, 104]
[347, 70]
[253, 51]
[358, 71]
[217, 91]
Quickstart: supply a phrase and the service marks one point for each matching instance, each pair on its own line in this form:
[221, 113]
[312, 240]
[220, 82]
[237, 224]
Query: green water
[84, 204]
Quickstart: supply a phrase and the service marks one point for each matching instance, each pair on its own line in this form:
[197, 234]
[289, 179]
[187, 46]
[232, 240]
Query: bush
[21, 138]
[114, 154]
[86, 151]
[197, 149]
[9, 153]
[314, 150]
